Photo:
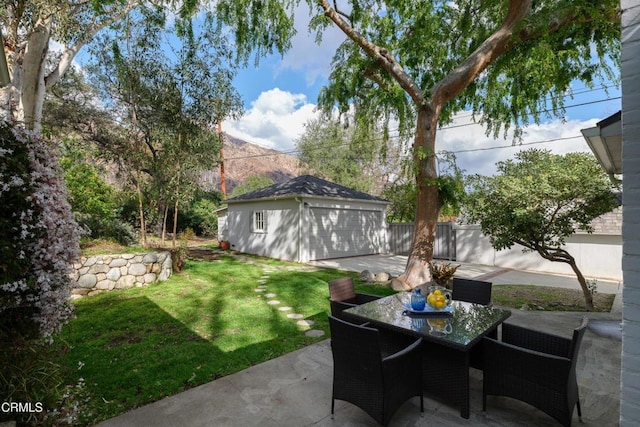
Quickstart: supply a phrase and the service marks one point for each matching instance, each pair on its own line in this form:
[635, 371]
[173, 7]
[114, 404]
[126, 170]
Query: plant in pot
[442, 272]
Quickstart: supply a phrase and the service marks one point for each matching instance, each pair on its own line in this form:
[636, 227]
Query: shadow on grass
[139, 345]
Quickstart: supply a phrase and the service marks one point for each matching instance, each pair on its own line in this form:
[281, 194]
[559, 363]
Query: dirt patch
[547, 298]
[203, 254]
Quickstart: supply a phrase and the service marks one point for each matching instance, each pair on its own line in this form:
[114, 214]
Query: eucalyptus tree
[419, 62]
[202, 72]
[540, 199]
[170, 89]
[30, 26]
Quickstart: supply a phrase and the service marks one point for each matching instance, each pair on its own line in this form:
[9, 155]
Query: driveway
[395, 264]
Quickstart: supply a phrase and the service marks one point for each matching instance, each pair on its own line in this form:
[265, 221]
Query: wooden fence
[400, 235]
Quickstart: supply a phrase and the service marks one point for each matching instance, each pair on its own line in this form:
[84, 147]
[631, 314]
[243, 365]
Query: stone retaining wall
[101, 273]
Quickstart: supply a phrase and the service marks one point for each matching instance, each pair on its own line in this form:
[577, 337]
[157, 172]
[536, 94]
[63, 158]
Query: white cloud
[477, 153]
[275, 120]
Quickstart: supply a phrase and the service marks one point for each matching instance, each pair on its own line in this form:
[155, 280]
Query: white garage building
[304, 219]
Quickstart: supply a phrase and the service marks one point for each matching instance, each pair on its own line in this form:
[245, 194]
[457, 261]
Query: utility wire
[292, 152]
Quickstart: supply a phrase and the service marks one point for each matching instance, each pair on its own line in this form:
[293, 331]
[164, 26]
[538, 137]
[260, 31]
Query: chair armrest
[400, 354]
[507, 360]
[535, 340]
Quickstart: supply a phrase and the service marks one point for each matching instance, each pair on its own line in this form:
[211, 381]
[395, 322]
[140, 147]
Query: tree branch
[70, 52]
[494, 46]
[501, 41]
[379, 54]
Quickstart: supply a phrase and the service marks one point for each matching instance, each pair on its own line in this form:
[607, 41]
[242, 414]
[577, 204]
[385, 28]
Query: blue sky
[280, 96]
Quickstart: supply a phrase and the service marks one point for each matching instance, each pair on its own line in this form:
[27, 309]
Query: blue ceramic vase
[417, 300]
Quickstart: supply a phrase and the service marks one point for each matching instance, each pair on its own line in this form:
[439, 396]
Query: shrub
[38, 244]
[111, 229]
[40, 238]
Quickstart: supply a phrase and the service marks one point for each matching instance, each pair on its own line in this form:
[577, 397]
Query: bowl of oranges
[439, 298]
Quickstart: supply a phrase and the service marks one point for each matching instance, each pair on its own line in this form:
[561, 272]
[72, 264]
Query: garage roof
[306, 185]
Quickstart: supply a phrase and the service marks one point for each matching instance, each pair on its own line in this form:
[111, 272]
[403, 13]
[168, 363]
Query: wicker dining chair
[376, 370]
[469, 290]
[478, 292]
[342, 295]
[535, 367]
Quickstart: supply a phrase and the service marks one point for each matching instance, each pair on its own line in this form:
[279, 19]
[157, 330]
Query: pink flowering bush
[39, 239]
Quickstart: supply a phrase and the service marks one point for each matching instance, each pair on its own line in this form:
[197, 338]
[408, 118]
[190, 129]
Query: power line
[544, 141]
[292, 152]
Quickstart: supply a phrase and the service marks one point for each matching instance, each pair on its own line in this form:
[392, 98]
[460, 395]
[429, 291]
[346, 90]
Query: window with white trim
[260, 221]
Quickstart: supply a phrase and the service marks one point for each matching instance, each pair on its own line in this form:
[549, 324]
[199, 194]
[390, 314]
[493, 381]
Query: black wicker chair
[376, 370]
[478, 292]
[535, 367]
[469, 290]
[342, 295]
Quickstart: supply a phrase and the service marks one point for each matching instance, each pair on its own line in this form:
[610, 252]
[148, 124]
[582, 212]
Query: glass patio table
[450, 340]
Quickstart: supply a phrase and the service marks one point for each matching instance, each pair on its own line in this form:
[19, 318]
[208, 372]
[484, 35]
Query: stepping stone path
[305, 324]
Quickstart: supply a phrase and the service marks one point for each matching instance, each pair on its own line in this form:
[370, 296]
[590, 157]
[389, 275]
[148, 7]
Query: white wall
[598, 256]
[281, 239]
[630, 376]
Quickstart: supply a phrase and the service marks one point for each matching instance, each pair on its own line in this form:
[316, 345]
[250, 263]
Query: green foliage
[252, 183]
[356, 155]
[201, 218]
[29, 373]
[93, 201]
[539, 199]
[88, 193]
[402, 196]
[429, 40]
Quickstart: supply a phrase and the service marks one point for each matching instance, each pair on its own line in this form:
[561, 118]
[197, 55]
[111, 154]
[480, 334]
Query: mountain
[244, 159]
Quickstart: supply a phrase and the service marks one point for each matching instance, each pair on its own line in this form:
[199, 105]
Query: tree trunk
[175, 223]
[428, 202]
[143, 229]
[588, 297]
[164, 223]
[32, 86]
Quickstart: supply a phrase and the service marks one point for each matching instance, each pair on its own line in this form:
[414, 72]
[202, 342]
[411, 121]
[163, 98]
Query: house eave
[309, 197]
[605, 141]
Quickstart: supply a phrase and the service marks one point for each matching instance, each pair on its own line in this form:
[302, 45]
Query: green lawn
[138, 345]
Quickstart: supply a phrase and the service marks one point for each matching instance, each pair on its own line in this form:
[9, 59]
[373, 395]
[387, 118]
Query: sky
[280, 97]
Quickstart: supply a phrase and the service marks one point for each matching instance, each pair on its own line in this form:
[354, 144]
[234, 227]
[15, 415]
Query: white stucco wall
[598, 256]
[630, 376]
[280, 240]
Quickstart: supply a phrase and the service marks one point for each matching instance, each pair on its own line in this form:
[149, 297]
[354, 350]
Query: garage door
[336, 233]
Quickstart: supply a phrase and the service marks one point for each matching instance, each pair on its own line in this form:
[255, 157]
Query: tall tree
[169, 102]
[538, 201]
[420, 62]
[29, 27]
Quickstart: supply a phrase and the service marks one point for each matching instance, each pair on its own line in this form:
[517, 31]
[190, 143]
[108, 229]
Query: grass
[138, 345]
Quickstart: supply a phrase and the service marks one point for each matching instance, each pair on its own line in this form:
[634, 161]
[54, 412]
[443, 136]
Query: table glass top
[463, 327]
